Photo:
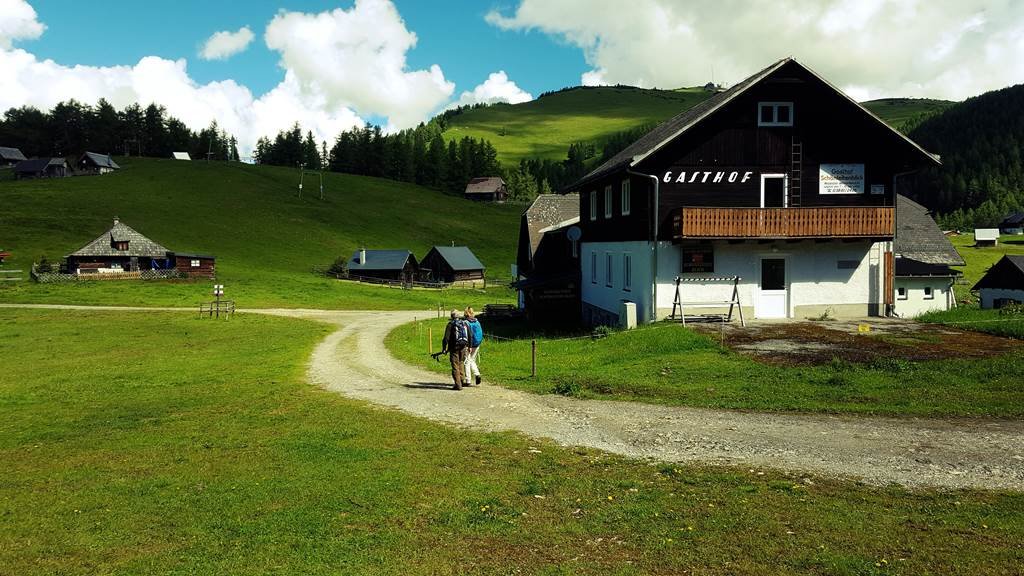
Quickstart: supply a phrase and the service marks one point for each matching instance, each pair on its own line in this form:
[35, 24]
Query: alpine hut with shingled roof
[491, 189]
[93, 163]
[123, 249]
[391, 265]
[547, 262]
[923, 277]
[452, 265]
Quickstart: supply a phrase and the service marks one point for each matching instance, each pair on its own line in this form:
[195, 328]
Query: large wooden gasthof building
[452, 265]
[781, 181]
[41, 168]
[492, 189]
[390, 265]
[93, 163]
[10, 156]
[547, 270]
[1003, 283]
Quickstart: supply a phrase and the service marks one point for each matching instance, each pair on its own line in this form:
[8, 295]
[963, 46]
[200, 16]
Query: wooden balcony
[823, 222]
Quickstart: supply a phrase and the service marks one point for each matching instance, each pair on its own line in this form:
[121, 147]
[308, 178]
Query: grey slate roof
[1013, 220]
[379, 260]
[101, 160]
[548, 210]
[138, 245]
[672, 128]
[460, 258]
[918, 236]
[484, 185]
[11, 154]
[37, 164]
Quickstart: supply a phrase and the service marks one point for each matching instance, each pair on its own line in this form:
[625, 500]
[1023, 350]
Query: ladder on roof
[796, 173]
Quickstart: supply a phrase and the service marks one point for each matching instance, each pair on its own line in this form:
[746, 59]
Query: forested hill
[981, 141]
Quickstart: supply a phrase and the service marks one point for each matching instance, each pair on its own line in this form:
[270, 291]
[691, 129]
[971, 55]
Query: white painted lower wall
[815, 282]
[914, 301]
[990, 295]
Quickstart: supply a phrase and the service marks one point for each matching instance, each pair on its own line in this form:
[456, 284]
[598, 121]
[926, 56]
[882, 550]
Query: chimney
[362, 256]
[116, 221]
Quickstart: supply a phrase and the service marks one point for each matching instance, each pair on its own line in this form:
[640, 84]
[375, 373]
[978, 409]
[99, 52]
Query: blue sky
[451, 33]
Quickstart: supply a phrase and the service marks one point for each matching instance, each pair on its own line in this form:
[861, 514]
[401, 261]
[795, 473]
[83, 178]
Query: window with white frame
[593, 205]
[901, 293]
[608, 201]
[626, 200]
[929, 294]
[627, 271]
[195, 263]
[774, 113]
[593, 267]
[608, 281]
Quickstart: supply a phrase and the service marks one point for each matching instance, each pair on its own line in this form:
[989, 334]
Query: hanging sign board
[841, 179]
[698, 260]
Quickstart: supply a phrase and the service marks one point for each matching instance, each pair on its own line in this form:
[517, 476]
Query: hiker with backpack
[476, 338]
[456, 345]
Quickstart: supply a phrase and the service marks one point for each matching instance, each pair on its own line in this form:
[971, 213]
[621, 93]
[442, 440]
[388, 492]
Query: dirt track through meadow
[952, 453]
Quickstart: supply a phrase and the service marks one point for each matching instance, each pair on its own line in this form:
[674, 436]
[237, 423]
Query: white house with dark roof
[923, 277]
[1003, 283]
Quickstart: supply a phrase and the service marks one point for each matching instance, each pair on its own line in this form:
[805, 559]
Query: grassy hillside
[266, 239]
[898, 111]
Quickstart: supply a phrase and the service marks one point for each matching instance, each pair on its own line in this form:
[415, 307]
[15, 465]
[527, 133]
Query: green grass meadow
[266, 239]
[159, 443]
[669, 364]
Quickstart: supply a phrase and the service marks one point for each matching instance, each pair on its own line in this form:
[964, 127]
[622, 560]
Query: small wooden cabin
[10, 156]
[41, 168]
[93, 163]
[120, 249]
[1003, 284]
[397, 265]
[491, 189]
[452, 264]
[194, 265]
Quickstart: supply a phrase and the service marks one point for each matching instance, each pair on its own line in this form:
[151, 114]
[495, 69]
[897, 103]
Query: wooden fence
[59, 277]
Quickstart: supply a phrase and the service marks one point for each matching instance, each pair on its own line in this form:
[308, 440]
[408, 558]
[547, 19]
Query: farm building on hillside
[986, 236]
[1013, 224]
[1003, 284]
[10, 156]
[41, 168]
[781, 187]
[397, 265]
[923, 277]
[487, 190]
[93, 163]
[180, 156]
[547, 260]
[194, 265]
[452, 264]
[122, 249]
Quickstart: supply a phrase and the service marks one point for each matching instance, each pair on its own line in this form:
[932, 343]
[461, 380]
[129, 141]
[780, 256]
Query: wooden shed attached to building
[10, 156]
[397, 265]
[1003, 284]
[491, 189]
[93, 163]
[452, 264]
[41, 168]
[194, 265]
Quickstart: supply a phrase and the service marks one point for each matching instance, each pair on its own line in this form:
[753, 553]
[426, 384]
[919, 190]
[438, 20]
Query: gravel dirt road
[909, 451]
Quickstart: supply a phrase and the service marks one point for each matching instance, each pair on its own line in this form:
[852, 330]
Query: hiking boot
[478, 379]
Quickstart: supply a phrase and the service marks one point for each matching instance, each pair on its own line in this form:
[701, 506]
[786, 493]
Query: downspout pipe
[653, 315]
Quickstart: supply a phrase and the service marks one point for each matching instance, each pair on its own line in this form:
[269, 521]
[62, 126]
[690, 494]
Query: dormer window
[774, 113]
[121, 245]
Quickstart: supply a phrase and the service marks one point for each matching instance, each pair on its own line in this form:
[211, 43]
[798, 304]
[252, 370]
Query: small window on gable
[608, 201]
[901, 293]
[928, 293]
[626, 199]
[775, 114]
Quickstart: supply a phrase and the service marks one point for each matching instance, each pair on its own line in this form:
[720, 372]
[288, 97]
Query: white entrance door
[773, 293]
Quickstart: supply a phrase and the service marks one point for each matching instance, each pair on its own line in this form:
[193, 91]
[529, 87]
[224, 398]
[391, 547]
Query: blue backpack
[460, 333]
[476, 333]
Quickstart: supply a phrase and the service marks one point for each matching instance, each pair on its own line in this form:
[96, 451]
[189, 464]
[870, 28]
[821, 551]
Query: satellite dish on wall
[574, 234]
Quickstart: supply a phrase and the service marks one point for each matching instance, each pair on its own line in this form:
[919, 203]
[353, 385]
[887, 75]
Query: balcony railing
[824, 222]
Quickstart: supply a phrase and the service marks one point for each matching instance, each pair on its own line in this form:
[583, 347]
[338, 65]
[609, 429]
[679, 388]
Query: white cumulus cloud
[357, 58]
[225, 44]
[497, 88]
[18, 22]
[872, 48]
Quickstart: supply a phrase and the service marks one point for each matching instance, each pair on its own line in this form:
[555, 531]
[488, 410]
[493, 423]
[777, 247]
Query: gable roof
[1007, 273]
[484, 185]
[38, 164]
[380, 260]
[11, 154]
[550, 210]
[138, 245]
[674, 127]
[919, 238]
[101, 160]
[1013, 220]
[460, 258]
[986, 234]
[180, 156]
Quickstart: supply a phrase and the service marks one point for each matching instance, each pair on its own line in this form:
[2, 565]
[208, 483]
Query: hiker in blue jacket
[476, 338]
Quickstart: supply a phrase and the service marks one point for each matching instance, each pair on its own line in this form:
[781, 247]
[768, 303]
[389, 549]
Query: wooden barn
[93, 163]
[120, 249]
[452, 264]
[486, 190]
[41, 168]
[194, 265]
[10, 156]
[397, 265]
[1003, 284]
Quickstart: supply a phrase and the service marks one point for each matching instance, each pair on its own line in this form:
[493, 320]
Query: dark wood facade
[196, 265]
[437, 269]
